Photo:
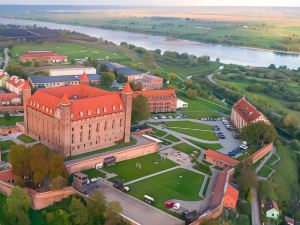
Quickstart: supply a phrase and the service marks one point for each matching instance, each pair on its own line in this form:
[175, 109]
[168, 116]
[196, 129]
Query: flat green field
[204, 135]
[205, 145]
[188, 149]
[4, 157]
[11, 121]
[127, 170]
[5, 145]
[178, 184]
[203, 168]
[158, 133]
[93, 173]
[264, 172]
[73, 50]
[172, 138]
[272, 160]
[26, 139]
[188, 124]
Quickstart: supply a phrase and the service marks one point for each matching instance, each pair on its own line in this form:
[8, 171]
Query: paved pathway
[152, 175]
[137, 210]
[6, 58]
[255, 208]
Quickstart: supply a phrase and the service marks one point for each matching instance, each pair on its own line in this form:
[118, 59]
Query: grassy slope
[285, 181]
[183, 147]
[26, 139]
[188, 124]
[205, 145]
[127, 170]
[204, 135]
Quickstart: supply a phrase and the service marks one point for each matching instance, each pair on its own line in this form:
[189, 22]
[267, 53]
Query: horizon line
[277, 6]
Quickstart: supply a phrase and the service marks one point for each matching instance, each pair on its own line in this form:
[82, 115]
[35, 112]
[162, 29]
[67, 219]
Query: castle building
[78, 118]
[244, 113]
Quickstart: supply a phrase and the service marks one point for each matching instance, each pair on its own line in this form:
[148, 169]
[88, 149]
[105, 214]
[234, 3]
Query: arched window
[98, 127]
[113, 124]
[89, 134]
[81, 136]
[98, 139]
[72, 138]
[121, 121]
[105, 125]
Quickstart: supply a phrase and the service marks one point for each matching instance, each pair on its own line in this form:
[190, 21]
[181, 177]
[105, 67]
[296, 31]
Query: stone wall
[134, 152]
[45, 199]
[9, 130]
[261, 153]
[5, 188]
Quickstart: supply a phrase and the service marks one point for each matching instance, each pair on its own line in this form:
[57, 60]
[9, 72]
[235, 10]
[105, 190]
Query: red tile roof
[7, 175]
[219, 190]
[127, 89]
[38, 54]
[26, 86]
[232, 193]
[221, 157]
[85, 101]
[163, 92]
[289, 221]
[8, 96]
[16, 81]
[65, 100]
[246, 110]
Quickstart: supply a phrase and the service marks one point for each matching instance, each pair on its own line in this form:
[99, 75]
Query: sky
[159, 2]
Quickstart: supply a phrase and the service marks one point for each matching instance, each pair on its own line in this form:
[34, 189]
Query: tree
[290, 120]
[191, 93]
[137, 86]
[122, 79]
[15, 69]
[111, 214]
[56, 165]
[245, 176]
[39, 164]
[107, 79]
[140, 110]
[58, 183]
[78, 212]
[17, 207]
[259, 133]
[272, 67]
[19, 158]
[96, 206]
[172, 77]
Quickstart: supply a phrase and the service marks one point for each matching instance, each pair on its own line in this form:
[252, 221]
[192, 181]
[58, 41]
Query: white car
[176, 206]
[126, 189]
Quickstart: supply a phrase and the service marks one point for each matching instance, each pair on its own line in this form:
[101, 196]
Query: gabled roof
[85, 101]
[271, 205]
[26, 86]
[7, 175]
[84, 77]
[16, 81]
[246, 110]
[221, 157]
[8, 96]
[232, 193]
[289, 221]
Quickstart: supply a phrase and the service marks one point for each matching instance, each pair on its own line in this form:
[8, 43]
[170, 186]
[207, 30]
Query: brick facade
[78, 119]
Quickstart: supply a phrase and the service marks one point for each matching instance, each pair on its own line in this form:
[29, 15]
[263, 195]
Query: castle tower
[26, 92]
[65, 125]
[84, 79]
[126, 96]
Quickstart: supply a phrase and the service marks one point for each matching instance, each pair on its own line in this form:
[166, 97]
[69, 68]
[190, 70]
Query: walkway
[255, 208]
[6, 58]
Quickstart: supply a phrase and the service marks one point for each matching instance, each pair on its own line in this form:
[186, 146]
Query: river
[227, 54]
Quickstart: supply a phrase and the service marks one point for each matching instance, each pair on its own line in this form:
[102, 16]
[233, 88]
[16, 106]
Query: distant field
[250, 31]
[73, 50]
[11, 121]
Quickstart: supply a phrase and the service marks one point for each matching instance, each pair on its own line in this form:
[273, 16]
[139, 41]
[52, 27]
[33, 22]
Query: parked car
[170, 117]
[176, 206]
[169, 204]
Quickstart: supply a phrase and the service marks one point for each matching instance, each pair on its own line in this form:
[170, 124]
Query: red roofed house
[289, 221]
[10, 99]
[43, 56]
[219, 159]
[78, 118]
[244, 113]
[160, 100]
[15, 84]
[231, 197]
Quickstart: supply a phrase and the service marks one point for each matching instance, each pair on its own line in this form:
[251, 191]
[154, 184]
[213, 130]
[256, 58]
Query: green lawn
[264, 172]
[93, 173]
[206, 187]
[172, 138]
[4, 157]
[5, 145]
[158, 133]
[204, 135]
[11, 121]
[203, 168]
[26, 139]
[73, 50]
[152, 163]
[205, 145]
[272, 160]
[123, 145]
[188, 124]
[178, 184]
[188, 149]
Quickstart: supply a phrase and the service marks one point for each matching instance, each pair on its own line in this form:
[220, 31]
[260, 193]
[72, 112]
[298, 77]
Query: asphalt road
[136, 210]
